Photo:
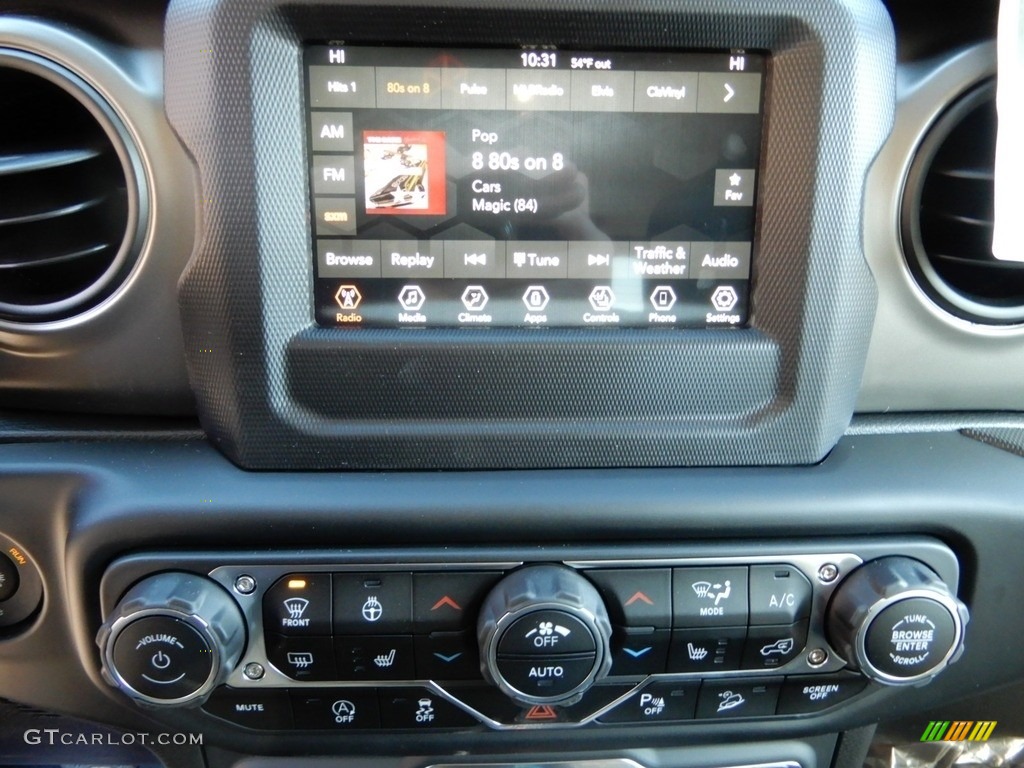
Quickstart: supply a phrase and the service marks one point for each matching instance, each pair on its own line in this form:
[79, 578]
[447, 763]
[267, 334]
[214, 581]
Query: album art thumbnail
[404, 172]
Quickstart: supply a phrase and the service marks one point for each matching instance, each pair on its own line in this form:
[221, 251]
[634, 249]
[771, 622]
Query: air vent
[948, 213]
[69, 205]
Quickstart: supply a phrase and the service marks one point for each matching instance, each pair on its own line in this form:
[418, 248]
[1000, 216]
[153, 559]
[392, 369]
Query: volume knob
[544, 635]
[172, 639]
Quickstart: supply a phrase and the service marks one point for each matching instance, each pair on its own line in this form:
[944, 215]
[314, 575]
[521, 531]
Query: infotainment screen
[533, 187]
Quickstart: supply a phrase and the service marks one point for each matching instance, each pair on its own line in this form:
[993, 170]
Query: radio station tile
[595, 260]
[602, 91]
[537, 89]
[408, 87]
[331, 131]
[348, 258]
[537, 259]
[474, 259]
[335, 215]
[729, 92]
[342, 87]
[473, 89]
[734, 187]
[665, 92]
[720, 261]
[412, 258]
[334, 175]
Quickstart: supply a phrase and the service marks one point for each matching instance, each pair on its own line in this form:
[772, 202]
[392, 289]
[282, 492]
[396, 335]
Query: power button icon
[160, 660]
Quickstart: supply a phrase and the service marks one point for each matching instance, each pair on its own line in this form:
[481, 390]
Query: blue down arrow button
[639, 651]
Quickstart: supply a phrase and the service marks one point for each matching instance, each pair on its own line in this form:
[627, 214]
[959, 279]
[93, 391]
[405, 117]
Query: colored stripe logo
[958, 730]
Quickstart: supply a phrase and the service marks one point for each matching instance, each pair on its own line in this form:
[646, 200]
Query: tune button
[162, 657]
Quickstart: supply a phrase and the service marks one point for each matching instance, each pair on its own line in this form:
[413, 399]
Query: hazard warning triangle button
[541, 713]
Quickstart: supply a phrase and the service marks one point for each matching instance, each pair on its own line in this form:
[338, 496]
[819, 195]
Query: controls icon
[372, 609]
[411, 298]
[348, 297]
[602, 298]
[663, 298]
[724, 298]
[536, 298]
[344, 711]
[474, 298]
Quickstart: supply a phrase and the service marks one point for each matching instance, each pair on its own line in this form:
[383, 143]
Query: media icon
[474, 298]
[663, 298]
[536, 298]
[602, 298]
[411, 298]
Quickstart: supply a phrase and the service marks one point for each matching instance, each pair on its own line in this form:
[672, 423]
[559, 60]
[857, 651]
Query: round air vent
[948, 213]
[70, 219]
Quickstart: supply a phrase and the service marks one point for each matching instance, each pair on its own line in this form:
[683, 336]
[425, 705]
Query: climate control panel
[330, 644]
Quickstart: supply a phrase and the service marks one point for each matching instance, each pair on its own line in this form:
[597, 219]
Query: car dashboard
[590, 384]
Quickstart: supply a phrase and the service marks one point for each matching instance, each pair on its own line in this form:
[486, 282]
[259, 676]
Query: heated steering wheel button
[162, 657]
[546, 633]
[544, 677]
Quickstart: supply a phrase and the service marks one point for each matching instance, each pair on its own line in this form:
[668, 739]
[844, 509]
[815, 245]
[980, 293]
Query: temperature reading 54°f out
[506, 161]
[589, 62]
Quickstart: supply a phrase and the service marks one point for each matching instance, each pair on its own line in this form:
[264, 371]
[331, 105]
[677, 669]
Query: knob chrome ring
[860, 641]
[195, 622]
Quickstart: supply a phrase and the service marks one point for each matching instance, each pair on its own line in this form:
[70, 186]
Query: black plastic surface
[275, 393]
[77, 507]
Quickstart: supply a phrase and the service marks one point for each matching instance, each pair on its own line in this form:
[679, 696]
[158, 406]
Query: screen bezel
[277, 392]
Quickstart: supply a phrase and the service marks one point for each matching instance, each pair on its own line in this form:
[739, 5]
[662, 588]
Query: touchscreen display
[532, 187]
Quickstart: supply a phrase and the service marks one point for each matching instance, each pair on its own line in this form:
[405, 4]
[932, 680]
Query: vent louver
[68, 200]
[948, 214]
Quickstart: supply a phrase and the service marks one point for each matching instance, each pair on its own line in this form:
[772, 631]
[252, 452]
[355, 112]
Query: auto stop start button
[910, 637]
[162, 657]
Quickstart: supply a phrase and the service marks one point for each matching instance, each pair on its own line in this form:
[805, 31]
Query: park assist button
[299, 604]
[163, 658]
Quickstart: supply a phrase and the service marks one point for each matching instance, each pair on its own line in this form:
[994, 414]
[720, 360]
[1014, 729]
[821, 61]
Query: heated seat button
[779, 594]
[639, 651]
[8, 578]
[546, 676]
[373, 657]
[449, 601]
[302, 658]
[265, 710]
[710, 597]
[806, 694]
[340, 709]
[771, 647]
[657, 703]
[299, 604]
[545, 633]
[372, 603]
[418, 708]
[636, 597]
[728, 699]
[162, 657]
[706, 650]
